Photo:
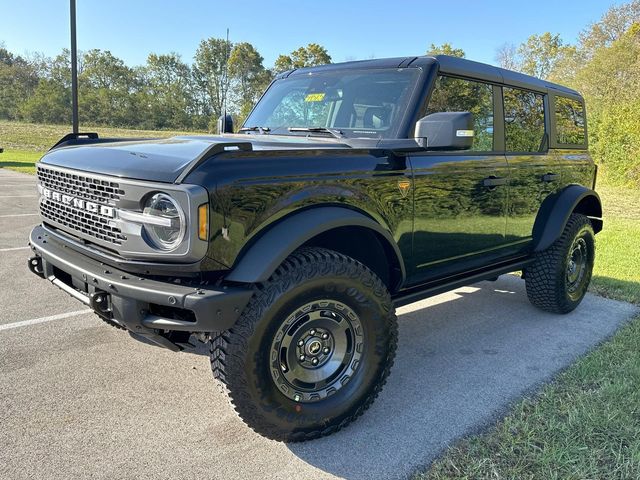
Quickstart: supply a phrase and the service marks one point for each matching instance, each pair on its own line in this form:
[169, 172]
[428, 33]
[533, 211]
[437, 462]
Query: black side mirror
[225, 124]
[445, 131]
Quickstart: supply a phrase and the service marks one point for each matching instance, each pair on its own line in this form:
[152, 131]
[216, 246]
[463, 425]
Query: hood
[163, 160]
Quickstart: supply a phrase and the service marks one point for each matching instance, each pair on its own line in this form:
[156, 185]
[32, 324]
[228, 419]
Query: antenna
[224, 84]
[74, 68]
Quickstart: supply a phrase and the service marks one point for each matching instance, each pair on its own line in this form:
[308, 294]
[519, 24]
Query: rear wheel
[312, 349]
[559, 278]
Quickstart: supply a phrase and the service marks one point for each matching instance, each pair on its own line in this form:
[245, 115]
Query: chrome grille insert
[77, 184]
[87, 188]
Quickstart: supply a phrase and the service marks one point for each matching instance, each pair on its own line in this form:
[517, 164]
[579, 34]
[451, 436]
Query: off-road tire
[546, 278]
[240, 355]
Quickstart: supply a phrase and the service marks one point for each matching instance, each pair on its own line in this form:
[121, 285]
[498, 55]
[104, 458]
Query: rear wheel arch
[344, 230]
[556, 209]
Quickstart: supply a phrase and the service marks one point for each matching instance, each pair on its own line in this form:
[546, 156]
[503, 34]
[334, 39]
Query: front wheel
[312, 349]
[558, 279]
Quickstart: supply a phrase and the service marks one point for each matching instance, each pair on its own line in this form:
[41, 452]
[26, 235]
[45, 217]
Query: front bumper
[133, 301]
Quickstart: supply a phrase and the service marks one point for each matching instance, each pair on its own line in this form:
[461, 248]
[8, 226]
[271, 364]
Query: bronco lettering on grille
[78, 203]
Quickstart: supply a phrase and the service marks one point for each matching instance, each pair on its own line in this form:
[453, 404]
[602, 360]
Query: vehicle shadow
[463, 357]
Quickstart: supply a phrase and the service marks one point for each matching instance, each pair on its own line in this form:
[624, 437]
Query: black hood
[163, 160]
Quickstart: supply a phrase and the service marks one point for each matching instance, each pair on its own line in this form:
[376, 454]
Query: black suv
[351, 189]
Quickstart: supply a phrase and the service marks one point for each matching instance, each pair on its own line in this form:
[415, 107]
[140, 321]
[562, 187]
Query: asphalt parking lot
[79, 399]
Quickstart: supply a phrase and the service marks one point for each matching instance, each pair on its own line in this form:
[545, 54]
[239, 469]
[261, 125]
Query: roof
[447, 64]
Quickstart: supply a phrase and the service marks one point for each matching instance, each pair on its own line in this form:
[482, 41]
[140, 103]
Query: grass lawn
[585, 424]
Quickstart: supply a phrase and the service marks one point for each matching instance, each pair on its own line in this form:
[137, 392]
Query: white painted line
[35, 321]
[19, 215]
[18, 196]
[23, 184]
[12, 249]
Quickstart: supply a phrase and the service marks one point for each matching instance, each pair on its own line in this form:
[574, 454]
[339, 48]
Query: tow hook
[35, 265]
[99, 302]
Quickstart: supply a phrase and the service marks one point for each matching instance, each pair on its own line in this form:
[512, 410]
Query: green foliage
[445, 49]
[164, 93]
[540, 53]
[249, 76]
[309, 56]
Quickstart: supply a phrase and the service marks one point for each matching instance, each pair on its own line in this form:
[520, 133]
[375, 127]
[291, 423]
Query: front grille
[86, 188]
[80, 185]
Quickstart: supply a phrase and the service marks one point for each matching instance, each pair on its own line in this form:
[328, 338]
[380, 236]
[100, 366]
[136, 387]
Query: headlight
[165, 222]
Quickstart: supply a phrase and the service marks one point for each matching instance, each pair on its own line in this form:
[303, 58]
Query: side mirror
[225, 124]
[445, 131]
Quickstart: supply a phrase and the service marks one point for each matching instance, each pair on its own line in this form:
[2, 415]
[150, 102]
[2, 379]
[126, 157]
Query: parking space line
[35, 321]
[13, 248]
[19, 215]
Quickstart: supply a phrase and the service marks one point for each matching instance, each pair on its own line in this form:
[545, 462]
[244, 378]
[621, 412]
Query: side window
[523, 120]
[570, 124]
[459, 95]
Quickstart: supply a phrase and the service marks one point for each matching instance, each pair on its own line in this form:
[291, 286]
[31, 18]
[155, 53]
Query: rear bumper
[131, 300]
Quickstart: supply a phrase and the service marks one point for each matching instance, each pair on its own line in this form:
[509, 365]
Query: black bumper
[131, 300]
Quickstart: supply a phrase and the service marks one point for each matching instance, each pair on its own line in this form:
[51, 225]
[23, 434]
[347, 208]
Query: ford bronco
[350, 189]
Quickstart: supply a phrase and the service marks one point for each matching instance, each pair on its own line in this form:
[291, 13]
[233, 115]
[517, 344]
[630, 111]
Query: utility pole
[74, 68]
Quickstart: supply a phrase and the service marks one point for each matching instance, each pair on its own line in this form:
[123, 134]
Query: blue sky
[349, 29]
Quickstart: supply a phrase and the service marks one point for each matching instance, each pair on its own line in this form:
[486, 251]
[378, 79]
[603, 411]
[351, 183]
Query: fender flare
[263, 256]
[556, 209]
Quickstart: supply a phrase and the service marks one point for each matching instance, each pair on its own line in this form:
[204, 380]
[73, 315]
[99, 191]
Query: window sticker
[314, 97]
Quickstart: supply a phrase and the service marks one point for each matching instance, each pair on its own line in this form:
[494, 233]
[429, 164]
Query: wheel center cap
[314, 347]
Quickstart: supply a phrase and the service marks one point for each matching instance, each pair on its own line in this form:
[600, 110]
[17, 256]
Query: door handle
[492, 182]
[550, 177]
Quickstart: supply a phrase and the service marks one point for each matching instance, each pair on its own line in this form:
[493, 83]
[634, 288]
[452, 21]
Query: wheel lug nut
[312, 331]
[301, 343]
[297, 397]
[302, 358]
[325, 336]
[314, 361]
[326, 350]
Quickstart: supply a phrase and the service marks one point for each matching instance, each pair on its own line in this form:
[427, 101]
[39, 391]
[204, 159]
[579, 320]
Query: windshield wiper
[331, 131]
[261, 130]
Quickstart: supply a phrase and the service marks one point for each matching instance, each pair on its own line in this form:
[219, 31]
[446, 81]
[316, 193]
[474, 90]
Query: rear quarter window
[570, 121]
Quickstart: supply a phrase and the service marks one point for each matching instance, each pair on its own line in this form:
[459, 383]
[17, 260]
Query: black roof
[451, 65]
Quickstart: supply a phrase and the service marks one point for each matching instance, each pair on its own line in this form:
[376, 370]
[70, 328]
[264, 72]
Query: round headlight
[166, 224]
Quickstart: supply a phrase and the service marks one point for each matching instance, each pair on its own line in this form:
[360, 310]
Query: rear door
[460, 198]
[534, 172]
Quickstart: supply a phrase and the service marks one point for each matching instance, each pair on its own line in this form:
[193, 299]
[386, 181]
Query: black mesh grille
[79, 185]
[85, 188]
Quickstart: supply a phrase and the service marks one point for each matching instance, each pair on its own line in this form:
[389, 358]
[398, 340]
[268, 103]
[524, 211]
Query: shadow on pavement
[462, 359]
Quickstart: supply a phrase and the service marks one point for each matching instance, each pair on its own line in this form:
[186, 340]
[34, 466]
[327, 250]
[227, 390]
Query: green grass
[586, 423]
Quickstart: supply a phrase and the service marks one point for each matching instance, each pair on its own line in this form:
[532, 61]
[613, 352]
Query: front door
[460, 198]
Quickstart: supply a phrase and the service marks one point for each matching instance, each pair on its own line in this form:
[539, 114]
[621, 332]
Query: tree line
[164, 93]
[169, 93]
[604, 66]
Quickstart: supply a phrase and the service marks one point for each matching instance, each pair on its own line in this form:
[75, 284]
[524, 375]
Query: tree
[248, 76]
[540, 54]
[613, 24]
[18, 81]
[309, 56]
[445, 49]
[168, 91]
[109, 91]
[507, 57]
[211, 76]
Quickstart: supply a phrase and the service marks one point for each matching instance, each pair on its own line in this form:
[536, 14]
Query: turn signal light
[203, 221]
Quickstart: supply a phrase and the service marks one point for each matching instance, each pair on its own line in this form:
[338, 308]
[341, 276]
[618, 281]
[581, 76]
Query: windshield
[357, 103]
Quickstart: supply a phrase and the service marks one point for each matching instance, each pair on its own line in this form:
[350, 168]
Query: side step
[431, 289]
